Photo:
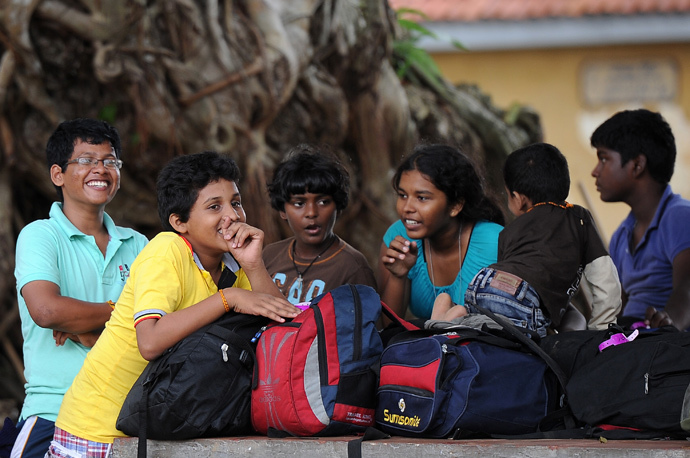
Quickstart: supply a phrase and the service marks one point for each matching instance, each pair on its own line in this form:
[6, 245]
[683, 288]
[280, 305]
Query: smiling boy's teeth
[97, 184]
[410, 221]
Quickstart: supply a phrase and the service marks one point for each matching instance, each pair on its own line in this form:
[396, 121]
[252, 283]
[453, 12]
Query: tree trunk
[250, 78]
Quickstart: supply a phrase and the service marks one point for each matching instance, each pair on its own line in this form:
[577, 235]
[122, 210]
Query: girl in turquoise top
[448, 230]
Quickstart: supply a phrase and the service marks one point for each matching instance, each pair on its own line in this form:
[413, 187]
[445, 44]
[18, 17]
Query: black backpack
[200, 387]
[639, 384]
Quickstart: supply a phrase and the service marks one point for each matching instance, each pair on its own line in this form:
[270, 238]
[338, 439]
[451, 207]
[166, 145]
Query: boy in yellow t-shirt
[172, 291]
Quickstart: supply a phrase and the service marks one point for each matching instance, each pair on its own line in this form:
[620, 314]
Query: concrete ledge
[400, 447]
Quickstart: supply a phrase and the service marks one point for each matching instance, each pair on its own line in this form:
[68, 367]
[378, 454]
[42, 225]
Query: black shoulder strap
[143, 420]
[354, 447]
[531, 344]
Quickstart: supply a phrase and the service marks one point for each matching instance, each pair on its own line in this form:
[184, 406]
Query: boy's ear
[639, 165]
[456, 208]
[56, 175]
[525, 203]
[177, 224]
[283, 215]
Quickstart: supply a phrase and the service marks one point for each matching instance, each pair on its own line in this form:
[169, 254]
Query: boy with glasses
[70, 269]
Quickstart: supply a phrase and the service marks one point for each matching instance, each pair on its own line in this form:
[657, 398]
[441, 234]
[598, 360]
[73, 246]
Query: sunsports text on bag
[462, 382]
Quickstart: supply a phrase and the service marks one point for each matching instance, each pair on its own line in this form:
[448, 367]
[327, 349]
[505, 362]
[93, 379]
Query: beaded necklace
[564, 205]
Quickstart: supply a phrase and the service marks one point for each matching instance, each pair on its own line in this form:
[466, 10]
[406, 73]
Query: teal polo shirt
[55, 250]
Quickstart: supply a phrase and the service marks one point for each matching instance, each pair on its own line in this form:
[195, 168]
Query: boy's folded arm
[49, 309]
[155, 335]
[87, 339]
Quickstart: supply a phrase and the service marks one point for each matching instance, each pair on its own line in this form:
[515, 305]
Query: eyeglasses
[93, 162]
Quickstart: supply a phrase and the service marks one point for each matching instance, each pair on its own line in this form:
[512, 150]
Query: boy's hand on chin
[245, 243]
[253, 303]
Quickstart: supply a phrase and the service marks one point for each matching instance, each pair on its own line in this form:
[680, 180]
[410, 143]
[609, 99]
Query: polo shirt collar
[71, 230]
[228, 260]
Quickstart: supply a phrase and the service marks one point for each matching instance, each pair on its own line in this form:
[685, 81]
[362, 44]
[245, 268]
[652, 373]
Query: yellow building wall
[553, 83]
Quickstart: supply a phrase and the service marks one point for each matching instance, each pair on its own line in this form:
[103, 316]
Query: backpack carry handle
[396, 319]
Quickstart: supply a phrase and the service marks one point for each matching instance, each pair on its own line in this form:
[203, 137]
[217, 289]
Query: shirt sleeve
[363, 276]
[674, 230]
[157, 288]
[36, 255]
[602, 276]
[483, 249]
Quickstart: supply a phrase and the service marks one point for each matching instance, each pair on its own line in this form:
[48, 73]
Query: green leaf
[422, 59]
[135, 139]
[407, 55]
[415, 27]
[411, 11]
[108, 113]
[512, 113]
[458, 45]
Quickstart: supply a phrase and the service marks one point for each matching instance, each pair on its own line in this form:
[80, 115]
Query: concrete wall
[400, 447]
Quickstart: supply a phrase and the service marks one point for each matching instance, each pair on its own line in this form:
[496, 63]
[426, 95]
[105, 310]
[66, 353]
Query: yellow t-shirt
[165, 277]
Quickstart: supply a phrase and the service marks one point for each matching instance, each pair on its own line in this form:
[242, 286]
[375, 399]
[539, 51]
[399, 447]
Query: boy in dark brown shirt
[310, 189]
[543, 253]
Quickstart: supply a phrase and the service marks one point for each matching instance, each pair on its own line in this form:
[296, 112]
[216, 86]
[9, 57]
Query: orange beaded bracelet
[225, 302]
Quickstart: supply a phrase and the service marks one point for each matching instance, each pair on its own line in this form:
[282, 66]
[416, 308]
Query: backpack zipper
[321, 342]
[357, 347]
[258, 334]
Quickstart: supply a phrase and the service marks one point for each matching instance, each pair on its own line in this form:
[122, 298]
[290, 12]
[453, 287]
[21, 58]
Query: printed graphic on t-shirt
[299, 291]
[124, 272]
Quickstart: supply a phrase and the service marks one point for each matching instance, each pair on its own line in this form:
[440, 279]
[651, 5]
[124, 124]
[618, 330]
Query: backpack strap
[354, 447]
[396, 319]
[247, 357]
[143, 420]
[532, 345]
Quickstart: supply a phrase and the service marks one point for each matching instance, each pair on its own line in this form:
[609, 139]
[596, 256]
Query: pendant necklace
[304, 272]
[431, 262]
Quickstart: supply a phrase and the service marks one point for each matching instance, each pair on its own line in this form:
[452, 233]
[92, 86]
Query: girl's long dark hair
[456, 176]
